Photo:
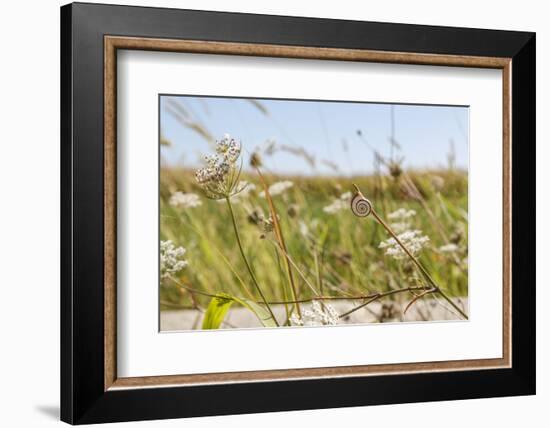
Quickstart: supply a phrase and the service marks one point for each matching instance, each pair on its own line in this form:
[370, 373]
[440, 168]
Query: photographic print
[303, 213]
[347, 195]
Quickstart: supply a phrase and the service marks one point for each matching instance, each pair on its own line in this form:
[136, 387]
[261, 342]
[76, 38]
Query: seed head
[255, 160]
[220, 177]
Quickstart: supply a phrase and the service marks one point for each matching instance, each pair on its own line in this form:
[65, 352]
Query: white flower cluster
[449, 248]
[215, 171]
[339, 204]
[215, 177]
[279, 187]
[413, 240]
[401, 214]
[171, 258]
[316, 316]
[401, 219]
[185, 200]
[228, 148]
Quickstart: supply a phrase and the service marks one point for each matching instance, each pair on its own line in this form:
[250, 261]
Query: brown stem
[377, 296]
[311, 299]
[281, 240]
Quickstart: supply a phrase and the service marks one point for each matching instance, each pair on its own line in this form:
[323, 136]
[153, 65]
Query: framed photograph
[278, 213]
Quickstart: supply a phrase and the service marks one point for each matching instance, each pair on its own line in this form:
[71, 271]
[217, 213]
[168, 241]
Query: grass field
[328, 252]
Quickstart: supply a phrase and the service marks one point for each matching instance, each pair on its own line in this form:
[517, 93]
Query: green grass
[340, 254]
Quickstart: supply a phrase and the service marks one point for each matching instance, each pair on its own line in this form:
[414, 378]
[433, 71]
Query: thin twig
[377, 296]
[190, 289]
[361, 297]
[310, 299]
[417, 297]
[281, 241]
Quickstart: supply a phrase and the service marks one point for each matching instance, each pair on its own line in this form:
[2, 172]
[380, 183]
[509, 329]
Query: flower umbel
[171, 258]
[339, 204]
[279, 187]
[315, 316]
[413, 240]
[185, 200]
[220, 177]
[449, 248]
[401, 220]
[401, 214]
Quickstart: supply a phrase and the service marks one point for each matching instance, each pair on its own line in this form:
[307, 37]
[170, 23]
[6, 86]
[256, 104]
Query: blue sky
[325, 129]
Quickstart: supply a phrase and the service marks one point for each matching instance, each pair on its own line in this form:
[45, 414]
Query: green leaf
[216, 311]
[219, 305]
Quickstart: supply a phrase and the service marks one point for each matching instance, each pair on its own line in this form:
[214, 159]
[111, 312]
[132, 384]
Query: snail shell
[360, 206]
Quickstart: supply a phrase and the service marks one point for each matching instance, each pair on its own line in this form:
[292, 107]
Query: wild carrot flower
[279, 187]
[220, 177]
[401, 219]
[220, 180]
[413, 240]
[171, 258]
[449, 248]
[400, 227]
[339, 204]
[346, 196]
[315, 316]
[185, 200]
[401, 214]
[335, 206]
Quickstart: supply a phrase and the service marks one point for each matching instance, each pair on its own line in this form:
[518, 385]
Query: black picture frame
[83, 398]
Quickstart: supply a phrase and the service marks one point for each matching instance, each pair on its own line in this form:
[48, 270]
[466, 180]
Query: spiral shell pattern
[360, 206]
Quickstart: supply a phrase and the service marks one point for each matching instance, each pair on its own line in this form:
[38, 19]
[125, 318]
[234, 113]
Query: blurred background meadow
[282, 247]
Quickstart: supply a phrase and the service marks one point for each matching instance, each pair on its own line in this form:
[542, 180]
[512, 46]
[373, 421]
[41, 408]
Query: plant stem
[377, 296]
[361, 297]
[310, 299]
[281, 240]
[190, 289]
[285, 297]
[195, 228]
[248, 267]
